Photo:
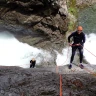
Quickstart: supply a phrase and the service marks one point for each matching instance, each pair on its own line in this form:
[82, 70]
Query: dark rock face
[28, 82]
[15, 81]
[45, 17]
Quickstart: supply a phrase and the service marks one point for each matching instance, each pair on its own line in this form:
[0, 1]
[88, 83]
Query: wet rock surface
[85, 2]
[15, 81]
[46, 20]
[28, 82]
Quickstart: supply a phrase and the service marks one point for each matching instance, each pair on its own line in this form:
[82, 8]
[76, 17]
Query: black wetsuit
[32, 64]
[77, 38]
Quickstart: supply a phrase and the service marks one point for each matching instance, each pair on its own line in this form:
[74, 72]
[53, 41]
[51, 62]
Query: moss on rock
[73, 14]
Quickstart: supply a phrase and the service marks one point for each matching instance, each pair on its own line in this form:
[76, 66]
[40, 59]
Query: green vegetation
[72, 9]
[71, 26]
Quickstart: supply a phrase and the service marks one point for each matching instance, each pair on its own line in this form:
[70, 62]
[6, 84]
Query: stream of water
[15, 53]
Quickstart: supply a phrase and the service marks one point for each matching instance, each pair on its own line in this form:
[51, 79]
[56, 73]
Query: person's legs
[81, 56]
[81, 53]
[31, 65]
[73, 53]
[34, 62]
[72, 56]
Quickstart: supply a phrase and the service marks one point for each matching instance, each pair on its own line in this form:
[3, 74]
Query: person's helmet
[79, 28]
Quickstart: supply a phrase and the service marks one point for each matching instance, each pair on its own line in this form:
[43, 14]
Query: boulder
[48, 18]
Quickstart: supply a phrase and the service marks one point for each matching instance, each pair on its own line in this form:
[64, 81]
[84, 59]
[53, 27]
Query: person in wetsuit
[32, 63]
[78, 43]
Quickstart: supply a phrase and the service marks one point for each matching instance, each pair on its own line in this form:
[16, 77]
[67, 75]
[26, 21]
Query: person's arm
[69, 37]
[30, 61]
[84, 38]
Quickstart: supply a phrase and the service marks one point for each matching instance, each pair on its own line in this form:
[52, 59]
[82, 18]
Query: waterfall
[90, 46]
[15, 53]
[87, 19]
[64, 57]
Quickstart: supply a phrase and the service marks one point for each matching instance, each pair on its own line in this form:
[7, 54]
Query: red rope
[57, 71]
[60, 76]
[86, 49]
[89, 51]
[61, 93]
[92, 73]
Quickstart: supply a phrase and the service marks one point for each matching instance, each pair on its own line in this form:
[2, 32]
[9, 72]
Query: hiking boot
[70, 66]
[81, 66]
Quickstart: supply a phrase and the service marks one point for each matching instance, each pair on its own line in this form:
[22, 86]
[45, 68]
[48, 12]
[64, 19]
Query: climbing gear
[61, 90]
[60, 76]
[89, 51]
[60, 80]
